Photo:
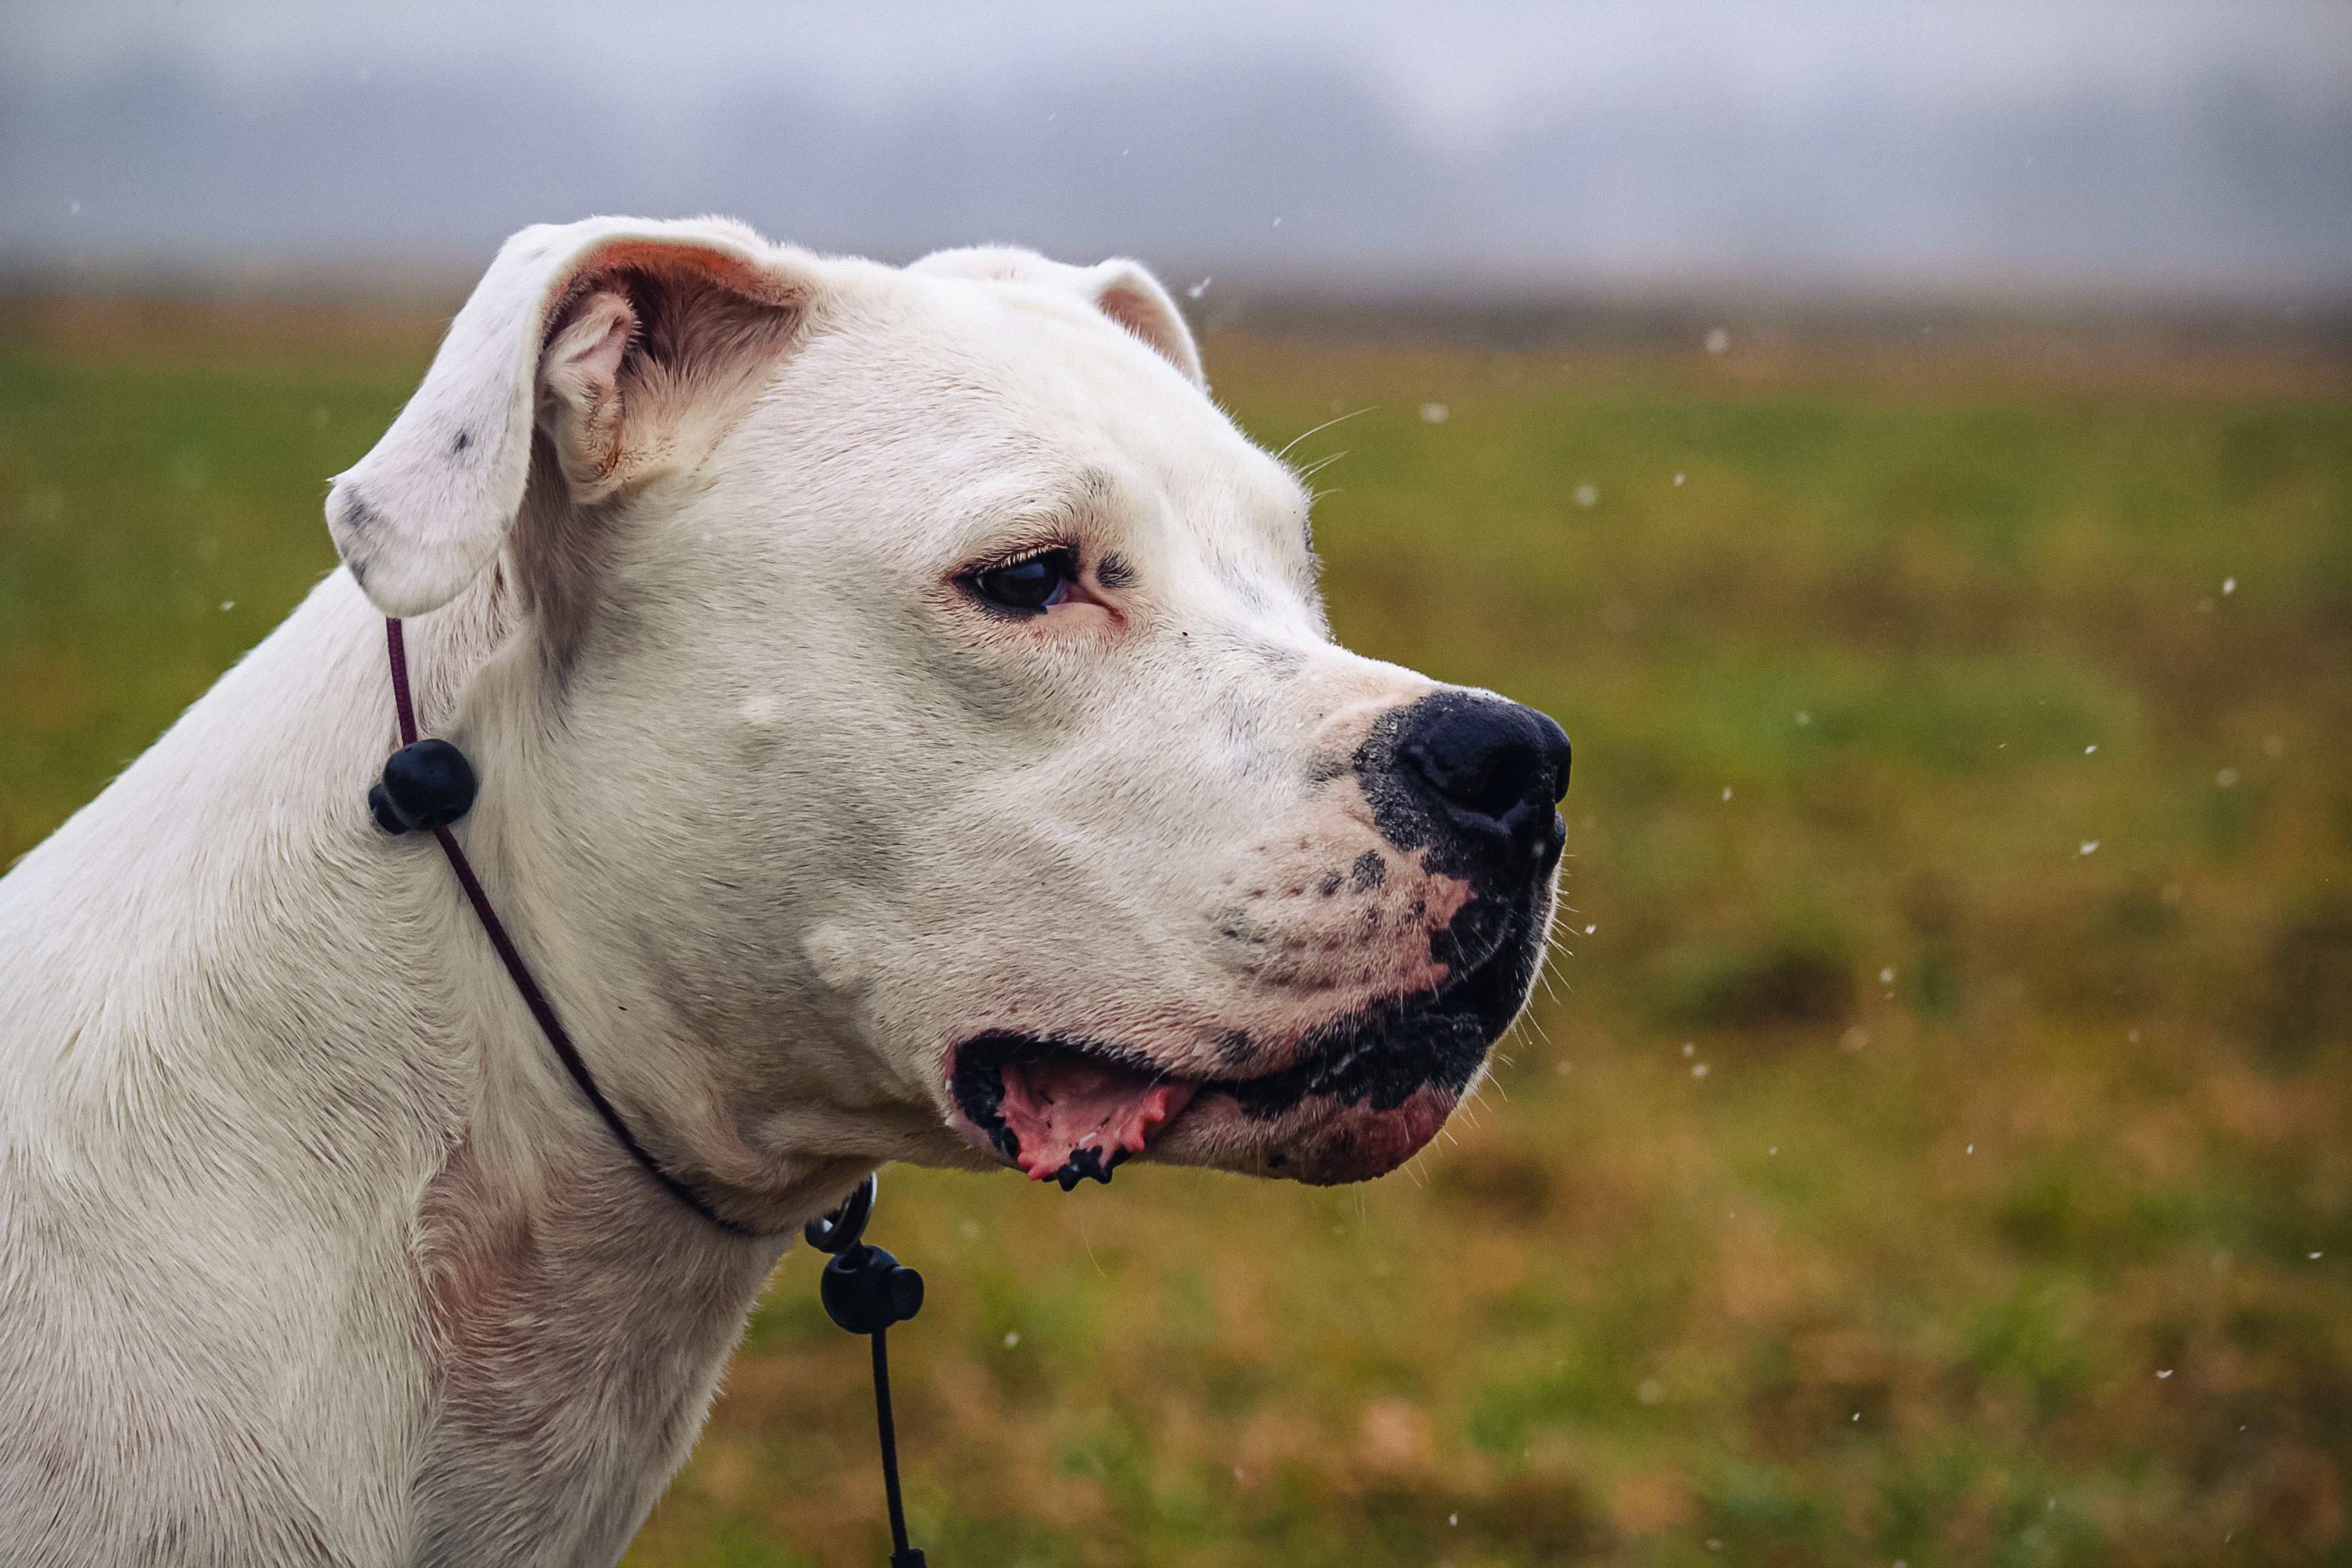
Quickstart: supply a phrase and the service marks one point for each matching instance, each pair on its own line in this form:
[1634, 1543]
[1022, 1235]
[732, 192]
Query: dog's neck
[429, 1309]
[579, 1315]
[577, 1343]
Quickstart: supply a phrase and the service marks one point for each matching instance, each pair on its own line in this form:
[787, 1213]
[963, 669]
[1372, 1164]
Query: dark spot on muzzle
[1470, 782]
[1381, 1055]
[1282, 663]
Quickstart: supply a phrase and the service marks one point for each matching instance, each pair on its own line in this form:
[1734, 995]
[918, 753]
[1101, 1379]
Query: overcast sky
[2060, 146]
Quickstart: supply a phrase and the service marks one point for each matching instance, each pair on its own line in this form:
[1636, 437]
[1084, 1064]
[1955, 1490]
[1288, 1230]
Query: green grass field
[1931, 1141]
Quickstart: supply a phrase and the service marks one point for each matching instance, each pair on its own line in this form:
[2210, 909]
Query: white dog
[907, 731]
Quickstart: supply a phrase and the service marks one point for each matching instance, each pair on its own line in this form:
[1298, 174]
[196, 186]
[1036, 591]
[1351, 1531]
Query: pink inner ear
[584, 360]
[581, 371]
[1136, 314]
[1148, 319]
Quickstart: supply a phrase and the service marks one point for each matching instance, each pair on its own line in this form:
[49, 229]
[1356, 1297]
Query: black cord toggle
[427, 784]
[864, 1290]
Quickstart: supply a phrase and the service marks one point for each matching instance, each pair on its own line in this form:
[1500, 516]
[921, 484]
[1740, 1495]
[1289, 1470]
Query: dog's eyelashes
[1036, 584]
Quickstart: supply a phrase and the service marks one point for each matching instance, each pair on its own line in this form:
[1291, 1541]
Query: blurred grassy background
[1932, 1142]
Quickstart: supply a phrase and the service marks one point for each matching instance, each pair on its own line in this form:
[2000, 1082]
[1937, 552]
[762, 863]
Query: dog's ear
[576, 330]
[1129, 294]
[1124, 290]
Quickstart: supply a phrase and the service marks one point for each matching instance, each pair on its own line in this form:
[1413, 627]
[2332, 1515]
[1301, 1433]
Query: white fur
[309, 1253]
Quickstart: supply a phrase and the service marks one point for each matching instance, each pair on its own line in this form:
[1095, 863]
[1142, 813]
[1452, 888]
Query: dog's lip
[978, 1070]
[977, 1088]
[1414, 1049]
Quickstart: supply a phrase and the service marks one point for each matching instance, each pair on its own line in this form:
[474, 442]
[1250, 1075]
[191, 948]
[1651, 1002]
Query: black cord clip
[426, 785]
[842, 1229]
[864, 1290]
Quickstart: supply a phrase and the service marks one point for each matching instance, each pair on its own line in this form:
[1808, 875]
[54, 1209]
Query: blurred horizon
[2131, 156]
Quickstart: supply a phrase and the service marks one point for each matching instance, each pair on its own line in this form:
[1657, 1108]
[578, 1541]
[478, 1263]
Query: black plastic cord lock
[864, 1290]
[425, 785]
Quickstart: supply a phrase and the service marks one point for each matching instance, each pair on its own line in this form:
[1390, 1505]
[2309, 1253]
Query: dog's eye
[1031, 584]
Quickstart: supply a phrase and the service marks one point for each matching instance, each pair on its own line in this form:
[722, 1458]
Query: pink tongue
[1060, 1106]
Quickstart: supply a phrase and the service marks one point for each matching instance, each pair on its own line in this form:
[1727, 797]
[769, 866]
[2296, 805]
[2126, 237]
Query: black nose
[1494, 767]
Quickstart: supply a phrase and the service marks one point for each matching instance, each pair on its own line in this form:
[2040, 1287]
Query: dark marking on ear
[465, 439]
[359, 518]
[358, 570]
[1368, 871]
[1115, 572]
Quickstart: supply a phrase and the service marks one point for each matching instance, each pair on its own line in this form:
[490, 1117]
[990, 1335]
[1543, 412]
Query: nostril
[1482, 779]
[1489, 759]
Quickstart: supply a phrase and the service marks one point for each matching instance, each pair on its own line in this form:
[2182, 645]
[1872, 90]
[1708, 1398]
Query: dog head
[920, 737]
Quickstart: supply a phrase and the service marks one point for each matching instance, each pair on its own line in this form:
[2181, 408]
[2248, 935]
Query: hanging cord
[865, 1290]
[428, 785]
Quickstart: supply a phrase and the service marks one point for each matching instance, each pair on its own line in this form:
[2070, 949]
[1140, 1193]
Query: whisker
[1325, 425]
[1319, 464]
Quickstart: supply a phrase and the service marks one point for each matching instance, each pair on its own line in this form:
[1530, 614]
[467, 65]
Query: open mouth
[1064, 1108]
[1063, 1111]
